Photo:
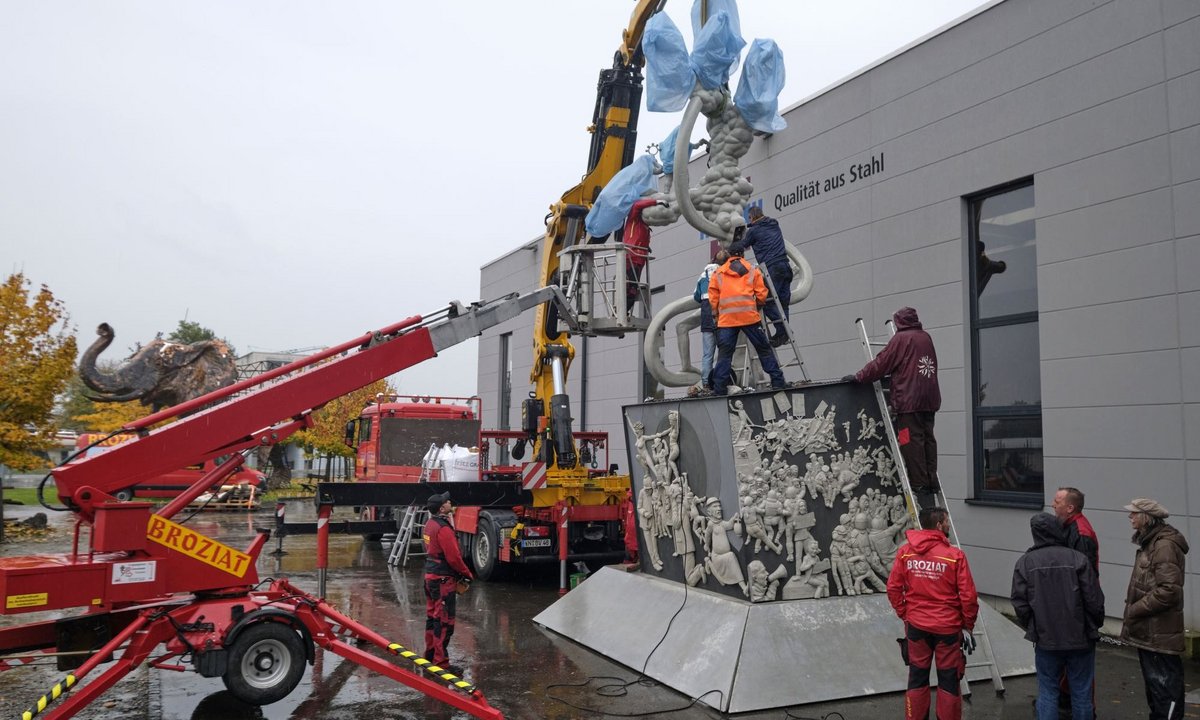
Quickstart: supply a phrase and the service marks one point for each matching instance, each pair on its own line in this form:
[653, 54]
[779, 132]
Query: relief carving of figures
[647, 521]
[754, 527]
[764, 586]
[721, 562]
[868, 427]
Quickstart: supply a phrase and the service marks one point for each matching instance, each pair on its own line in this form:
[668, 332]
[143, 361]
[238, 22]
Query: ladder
[402, 549]
[980, 631]
[430, 462]
[787, 326]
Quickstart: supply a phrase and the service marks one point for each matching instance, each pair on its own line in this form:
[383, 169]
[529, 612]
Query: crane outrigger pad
[757, 655]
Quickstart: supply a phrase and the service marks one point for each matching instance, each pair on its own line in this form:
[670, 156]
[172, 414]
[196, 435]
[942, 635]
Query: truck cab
[393, 435]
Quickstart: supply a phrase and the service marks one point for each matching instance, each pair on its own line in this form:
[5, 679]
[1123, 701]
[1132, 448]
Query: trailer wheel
[484, 549]
[265, 663]
[124, 494]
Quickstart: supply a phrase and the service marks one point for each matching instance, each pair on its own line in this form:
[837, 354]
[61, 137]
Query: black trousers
[1163, 675]
[918, 447]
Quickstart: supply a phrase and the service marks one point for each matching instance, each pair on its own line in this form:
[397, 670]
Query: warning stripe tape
[55, 692]
[429, 667]
[16, 662]
[533, 475]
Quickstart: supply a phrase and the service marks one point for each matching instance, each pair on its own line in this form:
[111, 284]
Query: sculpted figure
[646, 511]
[720, 562]
[753, 526]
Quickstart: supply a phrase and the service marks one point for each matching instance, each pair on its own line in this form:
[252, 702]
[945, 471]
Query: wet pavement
[523, 670]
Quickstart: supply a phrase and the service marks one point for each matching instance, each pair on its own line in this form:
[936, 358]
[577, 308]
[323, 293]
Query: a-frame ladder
[980, 631]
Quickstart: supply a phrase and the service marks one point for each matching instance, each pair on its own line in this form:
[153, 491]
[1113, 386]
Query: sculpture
[161, 373]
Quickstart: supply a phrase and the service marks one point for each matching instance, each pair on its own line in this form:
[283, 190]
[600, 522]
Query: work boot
[779, 339]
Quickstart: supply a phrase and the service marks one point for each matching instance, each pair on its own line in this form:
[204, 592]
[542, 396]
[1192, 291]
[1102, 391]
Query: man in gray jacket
[1154, 607]
[1058, 601]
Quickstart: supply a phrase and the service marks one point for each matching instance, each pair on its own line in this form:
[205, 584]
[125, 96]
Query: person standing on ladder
[735, 293]
[444, 567]
[765, 237]
[911, 361]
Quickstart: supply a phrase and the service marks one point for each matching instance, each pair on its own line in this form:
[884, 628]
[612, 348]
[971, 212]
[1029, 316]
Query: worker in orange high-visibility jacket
[736, 291]
[444, 567]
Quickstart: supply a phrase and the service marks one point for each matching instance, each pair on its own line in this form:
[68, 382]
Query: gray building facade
[1028, 178]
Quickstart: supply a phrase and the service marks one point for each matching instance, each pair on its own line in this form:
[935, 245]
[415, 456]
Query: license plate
[544, 542]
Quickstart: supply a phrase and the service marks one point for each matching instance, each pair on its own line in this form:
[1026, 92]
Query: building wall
[1098, 102]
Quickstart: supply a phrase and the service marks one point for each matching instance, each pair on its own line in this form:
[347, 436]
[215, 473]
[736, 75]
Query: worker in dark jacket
[1154, 607]
[932, 591]
[444, 567]
[1068, 508]
[735, 293]
[911, 361]
[1057, 598]
[770, 252]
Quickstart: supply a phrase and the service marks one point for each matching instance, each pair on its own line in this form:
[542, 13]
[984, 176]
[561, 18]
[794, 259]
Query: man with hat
[736, 291]
[1154, 607]
[444, 567]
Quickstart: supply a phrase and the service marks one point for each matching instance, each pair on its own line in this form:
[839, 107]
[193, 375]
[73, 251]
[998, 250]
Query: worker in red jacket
[444, 567]
[911, 362]
[932, 591]
[636, 237]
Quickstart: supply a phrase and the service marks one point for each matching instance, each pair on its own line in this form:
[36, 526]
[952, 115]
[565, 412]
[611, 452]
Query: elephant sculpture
[161, 373]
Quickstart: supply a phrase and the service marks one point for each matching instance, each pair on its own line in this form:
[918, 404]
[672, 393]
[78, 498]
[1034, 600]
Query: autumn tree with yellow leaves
[327, 435]
[37, 358]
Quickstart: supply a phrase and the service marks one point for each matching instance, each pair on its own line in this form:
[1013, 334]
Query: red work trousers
[441, 602]
[946, 652]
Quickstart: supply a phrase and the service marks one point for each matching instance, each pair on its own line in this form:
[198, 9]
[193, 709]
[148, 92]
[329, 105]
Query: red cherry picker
[153, 590]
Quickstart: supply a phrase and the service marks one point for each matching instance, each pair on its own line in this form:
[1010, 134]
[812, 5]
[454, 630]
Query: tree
[37, 357]
[74, 404]
[191, 332]
[327, 435]
[107, 417]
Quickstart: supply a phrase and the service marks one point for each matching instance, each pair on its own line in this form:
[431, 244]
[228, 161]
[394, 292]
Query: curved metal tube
[682, 182]
[655, 340]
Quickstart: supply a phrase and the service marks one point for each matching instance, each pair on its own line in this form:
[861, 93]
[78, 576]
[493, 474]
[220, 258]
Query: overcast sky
[292, 174]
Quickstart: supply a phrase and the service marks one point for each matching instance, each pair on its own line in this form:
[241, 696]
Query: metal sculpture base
[737, 656]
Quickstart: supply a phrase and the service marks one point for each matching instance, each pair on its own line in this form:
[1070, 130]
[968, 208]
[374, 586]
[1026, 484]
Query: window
[1006, 369]
[505, 400]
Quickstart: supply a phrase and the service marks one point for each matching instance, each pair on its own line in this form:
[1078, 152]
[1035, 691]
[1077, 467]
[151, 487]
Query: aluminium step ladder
[787, 325]
[980, 631]
[409, 535]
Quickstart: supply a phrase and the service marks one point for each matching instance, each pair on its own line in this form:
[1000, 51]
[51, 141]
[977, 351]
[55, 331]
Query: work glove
[968, 642]
[850, 378]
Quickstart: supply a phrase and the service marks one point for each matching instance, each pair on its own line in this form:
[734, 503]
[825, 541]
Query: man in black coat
[1057, 598]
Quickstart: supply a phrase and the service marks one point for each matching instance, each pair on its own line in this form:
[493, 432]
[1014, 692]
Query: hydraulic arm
[547, 413]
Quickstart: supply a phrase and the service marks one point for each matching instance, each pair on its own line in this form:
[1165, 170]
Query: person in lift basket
[444, 568]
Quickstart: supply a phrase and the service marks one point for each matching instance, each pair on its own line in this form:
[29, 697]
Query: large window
[1006, 368]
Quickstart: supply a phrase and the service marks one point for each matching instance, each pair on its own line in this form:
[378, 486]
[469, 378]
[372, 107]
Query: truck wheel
[265, 663]
[484, 549]
[124, 494]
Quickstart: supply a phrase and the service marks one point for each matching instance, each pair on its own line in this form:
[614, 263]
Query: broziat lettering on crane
[814, 188]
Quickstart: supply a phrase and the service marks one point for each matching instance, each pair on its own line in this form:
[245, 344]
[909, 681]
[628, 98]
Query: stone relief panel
[776, 495]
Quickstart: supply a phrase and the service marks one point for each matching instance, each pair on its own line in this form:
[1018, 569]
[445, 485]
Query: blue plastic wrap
[669, 76]
[714, 7]
[715, 55]
[619, 195]
[757, 95]
[666, 152]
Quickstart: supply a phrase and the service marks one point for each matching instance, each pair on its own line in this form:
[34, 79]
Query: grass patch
[28, 496]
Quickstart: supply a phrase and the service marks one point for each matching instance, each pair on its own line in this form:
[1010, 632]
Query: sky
[293, 174]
